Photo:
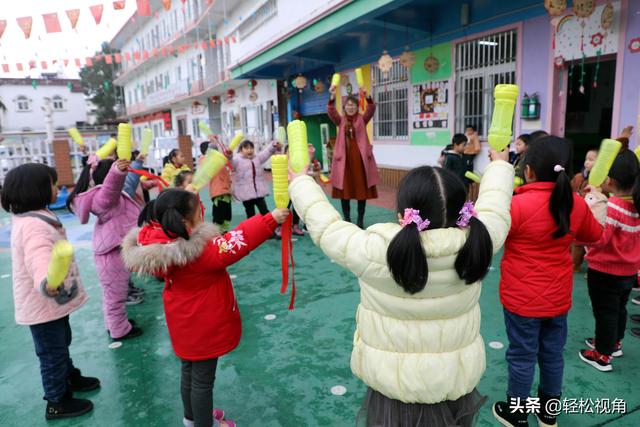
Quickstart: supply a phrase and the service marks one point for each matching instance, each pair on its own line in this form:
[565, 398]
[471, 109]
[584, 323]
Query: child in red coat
[536, 277]
[199, 300]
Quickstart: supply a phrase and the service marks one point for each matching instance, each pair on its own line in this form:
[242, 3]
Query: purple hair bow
[413, 216]
[466, 213]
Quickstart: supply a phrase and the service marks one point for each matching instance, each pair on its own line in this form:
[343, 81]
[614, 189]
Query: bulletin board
[431, 105]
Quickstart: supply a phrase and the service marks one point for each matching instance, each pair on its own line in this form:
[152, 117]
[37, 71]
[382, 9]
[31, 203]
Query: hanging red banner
[3, 26]
[145, 55]
[119, 5]
[108, 59]
[51, 23]
[205, 45]
[118, 58]
[73, 15]
[233, 39]
[43, 65]
[5, 68]
[163, 51]
[144, 8]
[77, 61]
[170, 49]
[25, 25]
[96, 11]
[89, 62]
[19, 66]
[166, 4]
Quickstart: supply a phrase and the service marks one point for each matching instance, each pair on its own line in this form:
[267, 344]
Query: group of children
[417, 344]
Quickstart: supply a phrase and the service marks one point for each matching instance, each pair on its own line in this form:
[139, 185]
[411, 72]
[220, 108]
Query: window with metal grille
[391, 93]
[58, 103]
[257, 18]
[481, 64]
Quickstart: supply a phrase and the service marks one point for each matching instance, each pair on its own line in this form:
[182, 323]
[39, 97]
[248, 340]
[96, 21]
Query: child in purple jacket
[101, 191]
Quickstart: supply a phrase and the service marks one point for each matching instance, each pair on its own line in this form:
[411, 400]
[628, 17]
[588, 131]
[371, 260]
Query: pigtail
[561, 204]
[147, 215]
[173, 225]
[474, 259]
[81, 186]
[407, 261]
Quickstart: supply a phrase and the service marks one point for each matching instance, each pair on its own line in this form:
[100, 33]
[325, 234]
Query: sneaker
[635, 318]
[79, 383]
[636, 286]
[597, 360]
[636, 300]
[134, 332]
[68, 407]
[297, 231]
[134, 290]
[635, 332]
[503, 414]
[134, 299]
[591, 343]
[546, 419]
[187, 423]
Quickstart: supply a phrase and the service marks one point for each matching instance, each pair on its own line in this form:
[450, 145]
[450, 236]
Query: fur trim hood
[149, 250]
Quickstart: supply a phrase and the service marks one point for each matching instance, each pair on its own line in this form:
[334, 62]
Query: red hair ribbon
[287, 254]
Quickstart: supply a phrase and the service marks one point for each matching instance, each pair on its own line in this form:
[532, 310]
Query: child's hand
[277, 145]
[626, 132]
[141, 157]
[590, 188]
[123, 164]
[280, 215]
[501, 155]
[51, 291]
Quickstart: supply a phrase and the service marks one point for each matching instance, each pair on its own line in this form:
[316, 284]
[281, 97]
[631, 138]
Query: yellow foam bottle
[505, 97]
[281, 135]
[236, 141]
[335, 80]
[637, 151]
[124, 141]
[211, 165]
[609, 149]
[147, 139]
[280, 171]
[472, 176]
[298, 148]
[359, 78]
[517, 182]
[75, 135]
[205, 129]
[107, 149]
[59, 264]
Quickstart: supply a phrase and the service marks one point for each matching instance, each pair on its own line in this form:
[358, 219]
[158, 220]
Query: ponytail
[561, 204]
[625, 171]
[407, 261]
[147, 214]
[171, 209]
[636, 193]
[86, 177]
[474, 259]
[173, 225]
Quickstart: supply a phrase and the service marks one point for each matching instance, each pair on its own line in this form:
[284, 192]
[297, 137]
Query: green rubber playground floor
[283, 372]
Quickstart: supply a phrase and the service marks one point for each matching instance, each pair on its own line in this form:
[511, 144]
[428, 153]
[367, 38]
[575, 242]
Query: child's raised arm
[112, 187]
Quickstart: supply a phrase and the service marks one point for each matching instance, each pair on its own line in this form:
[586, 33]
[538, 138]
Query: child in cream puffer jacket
[417, 343]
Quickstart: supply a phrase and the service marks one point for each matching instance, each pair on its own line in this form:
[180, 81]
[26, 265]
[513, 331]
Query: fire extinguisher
[534, 107]
[524, 113]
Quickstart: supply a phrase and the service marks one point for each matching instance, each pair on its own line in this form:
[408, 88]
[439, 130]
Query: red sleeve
[515, 217]
[333, 113]
[369, 111]
[589, 230]
[239, 242]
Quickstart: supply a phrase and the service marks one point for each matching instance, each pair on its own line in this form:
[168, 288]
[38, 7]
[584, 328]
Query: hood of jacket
[82, 204]
[149, 250]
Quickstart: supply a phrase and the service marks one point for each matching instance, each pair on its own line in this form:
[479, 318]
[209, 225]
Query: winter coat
[338, 164]
[32, 240]
[169, 172]
[220, 185]
[420, 348]
[536, 277]
[248, 177]
[199, 302]
[456, 163]
[116, 211]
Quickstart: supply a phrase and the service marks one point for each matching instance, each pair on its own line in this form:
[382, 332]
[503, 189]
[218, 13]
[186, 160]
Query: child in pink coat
[28, 190]
[100, 190]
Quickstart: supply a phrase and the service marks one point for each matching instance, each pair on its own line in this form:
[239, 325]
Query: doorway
[182, 126]
[589, 112]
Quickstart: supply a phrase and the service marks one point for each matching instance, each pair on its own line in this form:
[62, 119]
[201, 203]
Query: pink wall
[630, 89]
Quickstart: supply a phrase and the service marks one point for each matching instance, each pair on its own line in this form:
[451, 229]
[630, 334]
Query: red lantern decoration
[215, 99]
[252, 84]
[231, 93]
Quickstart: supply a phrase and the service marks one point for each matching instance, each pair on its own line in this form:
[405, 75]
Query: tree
[97, 82]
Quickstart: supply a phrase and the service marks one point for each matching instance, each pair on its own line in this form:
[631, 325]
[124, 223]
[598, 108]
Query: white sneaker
[134, 299]
[187, 423]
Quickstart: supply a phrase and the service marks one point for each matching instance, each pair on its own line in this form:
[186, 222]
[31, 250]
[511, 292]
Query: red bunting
[32, 65]
[145, 55]
[25, 24]
[108, 59]
[136, 56]
[89, 62]
[51, 23]
[5, 68]
[144, 8]
[166, 4]
[220, 42]
[196, 45]
[96, 11]
[155, 52]
[66, 62]
[226, 40]
[119, 5]
[3, 26]
[127, 56]
[233, 39]
[205, 45]
[118, 58]
[19, 66]
[43, 65]
[73, 15]
[212, 43]
[77, 61]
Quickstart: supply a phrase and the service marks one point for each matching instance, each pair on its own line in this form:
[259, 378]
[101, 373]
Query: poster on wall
[596, 34]
[431, 105]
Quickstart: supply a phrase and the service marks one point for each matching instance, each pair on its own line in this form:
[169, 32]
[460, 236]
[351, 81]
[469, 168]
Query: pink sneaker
[297, 231]
[219, 421]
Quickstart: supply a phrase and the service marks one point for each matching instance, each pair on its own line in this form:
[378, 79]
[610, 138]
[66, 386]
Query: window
[481, 64]
[268, 10]
[23, 103]
[196, 128]
[391, 93]
[58, 103]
